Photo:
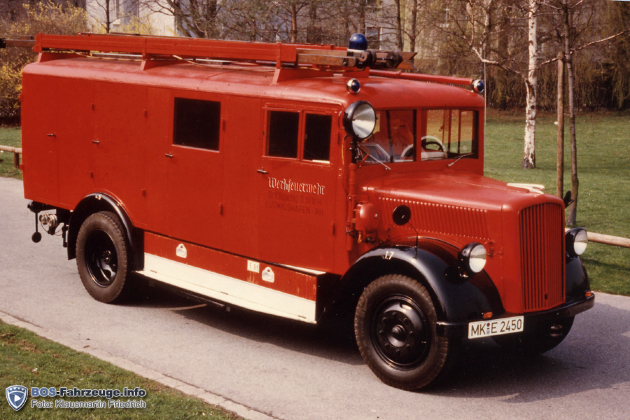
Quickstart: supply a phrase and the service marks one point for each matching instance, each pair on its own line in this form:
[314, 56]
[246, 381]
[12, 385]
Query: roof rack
[25, 41]
[280, 54]
[387, 64]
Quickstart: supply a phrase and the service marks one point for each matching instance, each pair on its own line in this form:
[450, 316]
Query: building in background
[130, 16]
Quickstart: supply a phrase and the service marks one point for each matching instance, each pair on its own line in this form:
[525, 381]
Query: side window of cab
[449, 134]
[300, 135]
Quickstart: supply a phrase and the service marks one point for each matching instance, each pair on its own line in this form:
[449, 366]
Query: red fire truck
[296, 180]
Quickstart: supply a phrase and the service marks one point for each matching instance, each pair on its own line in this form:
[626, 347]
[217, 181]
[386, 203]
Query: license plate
[489, 328]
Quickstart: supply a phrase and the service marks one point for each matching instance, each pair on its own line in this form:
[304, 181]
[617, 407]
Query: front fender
[457, 299]
[577, 280]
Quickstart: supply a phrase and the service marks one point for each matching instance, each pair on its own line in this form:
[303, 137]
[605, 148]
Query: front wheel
[102, 252]
[395, 329]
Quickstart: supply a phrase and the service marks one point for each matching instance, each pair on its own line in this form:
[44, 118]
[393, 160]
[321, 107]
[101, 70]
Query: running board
[232, 279]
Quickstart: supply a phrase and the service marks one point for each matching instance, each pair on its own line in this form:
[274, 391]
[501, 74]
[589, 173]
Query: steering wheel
[408, 152]
[428, 140]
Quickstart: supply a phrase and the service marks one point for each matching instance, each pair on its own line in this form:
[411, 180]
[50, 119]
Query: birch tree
[531, 85]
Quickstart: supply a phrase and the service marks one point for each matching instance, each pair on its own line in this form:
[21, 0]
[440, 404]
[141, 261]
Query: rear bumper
[460, 329]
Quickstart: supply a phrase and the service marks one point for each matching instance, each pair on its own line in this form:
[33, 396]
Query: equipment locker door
[56, 170]
[195, 170]
[184, 177]
[118, 145]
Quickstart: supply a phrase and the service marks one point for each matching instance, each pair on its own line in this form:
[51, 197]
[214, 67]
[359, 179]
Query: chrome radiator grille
[542, 256]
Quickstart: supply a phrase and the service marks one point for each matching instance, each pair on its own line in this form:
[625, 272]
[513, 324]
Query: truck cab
[299, 181]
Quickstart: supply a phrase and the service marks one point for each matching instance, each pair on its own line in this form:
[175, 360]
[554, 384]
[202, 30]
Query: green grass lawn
[604, 172]
[9, 137]
[31, 361]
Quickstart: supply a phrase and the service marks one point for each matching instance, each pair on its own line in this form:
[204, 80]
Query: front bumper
[460, 329]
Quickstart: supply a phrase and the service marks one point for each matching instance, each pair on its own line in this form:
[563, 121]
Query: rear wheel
[543, 338]
[395, 325]
[102, 252]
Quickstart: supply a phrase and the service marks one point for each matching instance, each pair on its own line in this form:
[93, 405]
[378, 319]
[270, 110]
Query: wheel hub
[101, 258]
[398, 333]
[401, 332]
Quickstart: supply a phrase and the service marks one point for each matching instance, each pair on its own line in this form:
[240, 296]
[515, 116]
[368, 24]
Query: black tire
[543, 338]
[394, 325]
[103, 257]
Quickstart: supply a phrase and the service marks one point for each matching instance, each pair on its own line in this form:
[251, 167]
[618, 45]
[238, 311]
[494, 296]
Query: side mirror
[567, 199]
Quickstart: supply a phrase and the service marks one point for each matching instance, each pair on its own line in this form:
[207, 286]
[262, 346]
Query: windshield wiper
[374, 159]
[459, 158]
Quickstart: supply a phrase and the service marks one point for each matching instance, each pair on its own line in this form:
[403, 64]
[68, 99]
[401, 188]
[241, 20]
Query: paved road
[293, 371]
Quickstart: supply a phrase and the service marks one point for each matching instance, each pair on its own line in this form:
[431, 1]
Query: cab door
[296, 194]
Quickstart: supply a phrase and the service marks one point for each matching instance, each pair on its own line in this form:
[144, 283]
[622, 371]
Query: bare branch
[599, 41]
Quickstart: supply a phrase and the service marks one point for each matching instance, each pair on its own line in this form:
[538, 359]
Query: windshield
[439, 133]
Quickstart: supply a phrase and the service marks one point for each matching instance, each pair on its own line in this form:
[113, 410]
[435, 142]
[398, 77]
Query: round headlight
[359, 120]
[576, 241]
[472, 257]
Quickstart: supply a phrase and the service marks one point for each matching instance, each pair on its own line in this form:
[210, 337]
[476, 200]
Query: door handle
[262, 171]
[168, 155]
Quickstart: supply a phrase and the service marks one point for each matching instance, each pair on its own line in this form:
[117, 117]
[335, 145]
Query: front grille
[542, 256]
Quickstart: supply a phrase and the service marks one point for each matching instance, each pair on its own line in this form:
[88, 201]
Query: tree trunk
[294, 27]
[414, 23]
[108, 13]
[399, 28]
[179, 18]
[531, 84]
[361, 6]
[529, 150]
[211, 19]
[575, 183]
[313, 35]
[571, 85]
[487, 23]
[346, 21]
[560, 158]
[487, 27]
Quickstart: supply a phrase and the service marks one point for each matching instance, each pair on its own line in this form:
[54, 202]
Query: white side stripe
[228, 289]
